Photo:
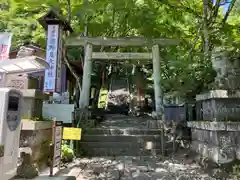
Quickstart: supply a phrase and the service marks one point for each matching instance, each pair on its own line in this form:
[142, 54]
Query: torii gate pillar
[87, 72]
[157, 81]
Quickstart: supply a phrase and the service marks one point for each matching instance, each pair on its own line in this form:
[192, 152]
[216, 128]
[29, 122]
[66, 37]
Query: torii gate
[89, 42]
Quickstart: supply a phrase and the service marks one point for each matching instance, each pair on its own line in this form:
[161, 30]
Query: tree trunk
[86, 19]
[66, 61]
[205, 30]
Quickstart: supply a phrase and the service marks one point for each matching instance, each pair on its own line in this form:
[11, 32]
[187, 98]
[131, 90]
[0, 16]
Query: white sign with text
[51, 58]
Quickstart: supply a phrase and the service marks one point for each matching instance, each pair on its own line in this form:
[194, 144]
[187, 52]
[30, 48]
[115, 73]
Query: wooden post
[157, 79]
[87, 71]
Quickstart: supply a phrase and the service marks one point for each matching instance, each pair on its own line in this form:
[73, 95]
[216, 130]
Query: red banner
[5, 44]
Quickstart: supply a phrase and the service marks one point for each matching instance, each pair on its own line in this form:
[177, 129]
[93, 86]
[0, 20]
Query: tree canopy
[201, 26]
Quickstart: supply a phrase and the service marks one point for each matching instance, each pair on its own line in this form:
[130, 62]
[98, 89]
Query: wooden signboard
[56, 145]
[1, 150]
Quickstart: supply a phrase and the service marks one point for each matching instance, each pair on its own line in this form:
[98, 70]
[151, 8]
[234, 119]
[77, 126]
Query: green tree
[184, 67]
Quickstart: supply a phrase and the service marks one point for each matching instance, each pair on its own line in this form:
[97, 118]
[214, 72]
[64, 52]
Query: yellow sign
[72, 133]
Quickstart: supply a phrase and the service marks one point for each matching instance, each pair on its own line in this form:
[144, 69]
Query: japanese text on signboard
[51, 58]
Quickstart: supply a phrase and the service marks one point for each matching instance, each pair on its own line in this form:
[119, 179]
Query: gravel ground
[135, 168]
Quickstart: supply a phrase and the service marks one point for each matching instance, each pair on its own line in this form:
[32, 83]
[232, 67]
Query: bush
[67, 153]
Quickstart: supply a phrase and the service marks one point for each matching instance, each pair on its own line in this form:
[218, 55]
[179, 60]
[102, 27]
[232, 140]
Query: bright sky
[226, 5]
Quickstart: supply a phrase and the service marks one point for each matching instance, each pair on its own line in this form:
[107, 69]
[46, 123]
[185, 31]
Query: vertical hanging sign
[50, 78]
[59, 64]
[5, 44]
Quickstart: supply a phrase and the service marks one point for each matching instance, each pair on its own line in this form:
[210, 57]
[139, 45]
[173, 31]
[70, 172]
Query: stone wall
[227, 109]
[218, 105]
[36, 136]
[218, 141]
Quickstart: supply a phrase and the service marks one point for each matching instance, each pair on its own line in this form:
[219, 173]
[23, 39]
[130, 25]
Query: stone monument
[228, 71]
[216, 132]
[222, 103]
[30, 85]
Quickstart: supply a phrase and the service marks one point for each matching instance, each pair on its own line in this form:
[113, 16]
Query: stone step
[120, 138]
[121, 131]
[54, 178]
[128, 125]
[89, 151]
[133, 145]
[131, 119]
[143, 124]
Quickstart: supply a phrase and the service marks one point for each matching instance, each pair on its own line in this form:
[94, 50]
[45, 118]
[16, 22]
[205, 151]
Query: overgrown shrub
[67, 153]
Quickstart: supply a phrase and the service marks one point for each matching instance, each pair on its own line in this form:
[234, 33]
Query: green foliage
[183, 68]
[236, 172]
[25, 118]
[67, 154]
[236, 9]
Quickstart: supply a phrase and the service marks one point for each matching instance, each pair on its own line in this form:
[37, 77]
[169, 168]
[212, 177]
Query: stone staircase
[121, 135]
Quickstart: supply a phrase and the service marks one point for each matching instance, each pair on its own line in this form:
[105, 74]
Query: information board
[72, 133]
